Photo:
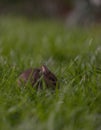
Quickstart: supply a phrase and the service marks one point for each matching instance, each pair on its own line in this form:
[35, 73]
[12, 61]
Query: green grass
[74, 55]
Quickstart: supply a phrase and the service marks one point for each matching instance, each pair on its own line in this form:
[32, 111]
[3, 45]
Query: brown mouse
[36, 76]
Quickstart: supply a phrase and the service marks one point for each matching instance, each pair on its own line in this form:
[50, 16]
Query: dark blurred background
[73, 12]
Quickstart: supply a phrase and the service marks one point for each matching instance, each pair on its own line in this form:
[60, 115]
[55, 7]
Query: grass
[74, 55]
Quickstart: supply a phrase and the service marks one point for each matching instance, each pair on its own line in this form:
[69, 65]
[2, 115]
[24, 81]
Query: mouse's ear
[44, 69]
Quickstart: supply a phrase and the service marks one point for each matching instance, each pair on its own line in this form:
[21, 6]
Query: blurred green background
[64, 35]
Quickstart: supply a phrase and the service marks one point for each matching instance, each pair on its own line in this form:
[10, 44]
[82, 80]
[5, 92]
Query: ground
[74, 55]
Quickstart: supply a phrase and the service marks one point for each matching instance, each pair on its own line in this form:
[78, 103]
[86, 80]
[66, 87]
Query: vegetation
[74, 55]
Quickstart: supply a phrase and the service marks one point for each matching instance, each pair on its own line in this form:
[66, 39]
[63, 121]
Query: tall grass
[74, 55]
